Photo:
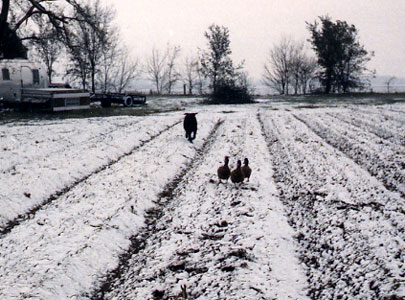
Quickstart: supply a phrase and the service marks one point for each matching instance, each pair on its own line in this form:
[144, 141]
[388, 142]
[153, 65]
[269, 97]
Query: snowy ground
[126, 208]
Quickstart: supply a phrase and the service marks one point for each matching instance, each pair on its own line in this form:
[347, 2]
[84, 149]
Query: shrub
[228, 93]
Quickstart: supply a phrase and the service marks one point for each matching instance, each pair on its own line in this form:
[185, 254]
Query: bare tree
[110, 56]
[156, 69]
[199, 78]
[296, 63]
[125, 72]
[190, 72]
[47, 45]
[277, 69]
[388, 83]
[273, 79]
[288, 66]
[87, 38]
[172, 74]
[117, 68]
[309, 67]
[78, 67]
[303, 67]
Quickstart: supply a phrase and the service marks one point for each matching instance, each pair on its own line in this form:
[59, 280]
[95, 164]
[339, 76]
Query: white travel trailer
[20, 73]
[25, 84]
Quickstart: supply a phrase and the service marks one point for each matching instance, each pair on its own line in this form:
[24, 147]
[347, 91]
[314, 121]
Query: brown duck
[237, 174]
[247, 171]
[223, 171]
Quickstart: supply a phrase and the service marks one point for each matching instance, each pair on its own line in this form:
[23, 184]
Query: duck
[237, 174]
[223, 171]
[247, 171]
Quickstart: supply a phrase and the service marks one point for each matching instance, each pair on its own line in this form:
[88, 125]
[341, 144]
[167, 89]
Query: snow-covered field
[126, 208]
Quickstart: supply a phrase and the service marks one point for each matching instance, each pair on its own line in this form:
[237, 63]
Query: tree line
[97, 58]
[338, 65]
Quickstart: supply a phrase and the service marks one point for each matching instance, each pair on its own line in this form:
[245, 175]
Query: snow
[322, 216]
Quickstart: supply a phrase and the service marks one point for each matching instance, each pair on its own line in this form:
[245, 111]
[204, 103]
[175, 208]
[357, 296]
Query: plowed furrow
[51, 145]
[63, 250]
[339, 229]
[139, 241]
[390, 171]
[11, 224]
[380, 131]
[218, 241]
[394, 115]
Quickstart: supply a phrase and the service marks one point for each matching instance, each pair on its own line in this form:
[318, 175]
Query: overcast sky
[255, 25]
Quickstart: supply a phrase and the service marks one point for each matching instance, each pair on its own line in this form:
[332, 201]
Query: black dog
[190, 126]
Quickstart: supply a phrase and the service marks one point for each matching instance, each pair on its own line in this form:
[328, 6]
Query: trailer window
[35, 76]
[6, 74]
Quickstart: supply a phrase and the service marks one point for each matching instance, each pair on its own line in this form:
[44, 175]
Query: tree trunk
[3, 16]
[157, 85]
[3, 25]
[328, 83]
[93, 82]
[49, 76]
[190, 87]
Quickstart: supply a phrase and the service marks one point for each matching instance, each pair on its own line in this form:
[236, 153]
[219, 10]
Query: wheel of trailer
[128, 101]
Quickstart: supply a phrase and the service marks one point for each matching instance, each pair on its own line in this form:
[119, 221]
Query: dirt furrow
[397, 111]
[34, 179]
[218, 241]
[139, 241]
[380, 131]
[61, 142]
[390, 170]
[345, 245]
[394, 115]
[11, 224]
[64, 249]
[364, 192]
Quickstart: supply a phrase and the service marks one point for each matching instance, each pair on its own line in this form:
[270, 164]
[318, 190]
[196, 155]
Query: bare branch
[155, 68]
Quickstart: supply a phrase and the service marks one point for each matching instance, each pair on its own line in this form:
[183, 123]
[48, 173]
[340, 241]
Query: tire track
[340, 242]
[390, 173]
[10, 225]
[139, 241]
